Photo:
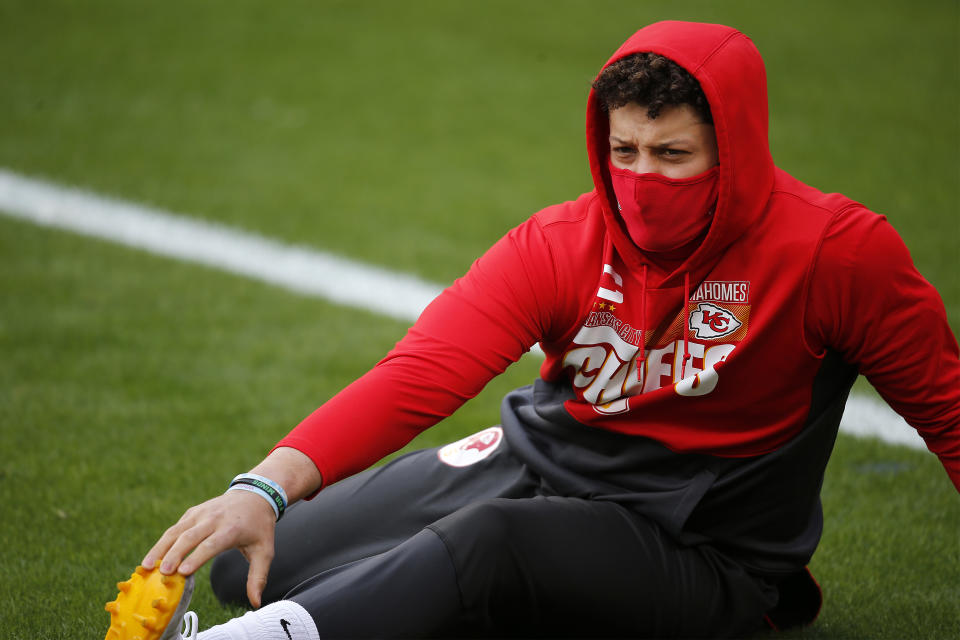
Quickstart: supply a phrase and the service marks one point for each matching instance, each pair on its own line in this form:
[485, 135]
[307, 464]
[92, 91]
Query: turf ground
[409, 135]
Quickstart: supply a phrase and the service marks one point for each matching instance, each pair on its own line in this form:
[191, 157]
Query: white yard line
[298, 269]
[866, 417]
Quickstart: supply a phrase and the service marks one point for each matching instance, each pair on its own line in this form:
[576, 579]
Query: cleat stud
[145, 622]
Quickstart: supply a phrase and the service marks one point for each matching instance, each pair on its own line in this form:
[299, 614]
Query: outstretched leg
[544, 566]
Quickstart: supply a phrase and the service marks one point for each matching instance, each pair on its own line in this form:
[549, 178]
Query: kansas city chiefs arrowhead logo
[711, 321]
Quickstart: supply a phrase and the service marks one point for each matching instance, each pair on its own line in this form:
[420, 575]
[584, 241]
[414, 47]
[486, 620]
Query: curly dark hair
[652, 81]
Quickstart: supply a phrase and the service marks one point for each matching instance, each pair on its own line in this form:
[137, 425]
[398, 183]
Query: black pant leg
[372, 512]
[547, 567]
[554, 566]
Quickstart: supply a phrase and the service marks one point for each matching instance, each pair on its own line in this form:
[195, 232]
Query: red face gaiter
[661, 213]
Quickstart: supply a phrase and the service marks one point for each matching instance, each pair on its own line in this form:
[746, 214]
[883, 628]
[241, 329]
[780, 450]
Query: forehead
[631, 123]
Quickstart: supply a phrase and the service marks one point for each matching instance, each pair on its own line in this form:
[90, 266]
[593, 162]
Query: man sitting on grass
[702, 314]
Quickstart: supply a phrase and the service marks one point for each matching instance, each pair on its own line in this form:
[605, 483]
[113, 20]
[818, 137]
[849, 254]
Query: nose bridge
[645, 163]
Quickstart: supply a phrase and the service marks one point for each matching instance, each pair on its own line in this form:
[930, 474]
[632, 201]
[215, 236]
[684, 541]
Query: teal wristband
[266, 488]
[276, 487]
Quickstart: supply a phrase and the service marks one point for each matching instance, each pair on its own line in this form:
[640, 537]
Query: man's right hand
[235, 519]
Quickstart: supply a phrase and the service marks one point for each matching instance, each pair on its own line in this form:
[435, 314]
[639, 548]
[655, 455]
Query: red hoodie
[785, 276]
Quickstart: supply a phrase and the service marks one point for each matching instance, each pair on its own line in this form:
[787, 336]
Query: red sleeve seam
[808, 277]
[547, 317]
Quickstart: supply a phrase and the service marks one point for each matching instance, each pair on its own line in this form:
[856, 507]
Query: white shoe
[152, 606]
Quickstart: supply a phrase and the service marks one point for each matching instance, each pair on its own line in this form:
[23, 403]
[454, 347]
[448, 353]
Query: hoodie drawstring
[643, 322]
[643, 317]
[686, 323]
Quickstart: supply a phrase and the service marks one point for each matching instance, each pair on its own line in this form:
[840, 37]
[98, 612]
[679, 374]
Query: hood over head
[731, 73]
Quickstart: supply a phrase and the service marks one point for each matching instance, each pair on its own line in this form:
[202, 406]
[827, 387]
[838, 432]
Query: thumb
[257, 577]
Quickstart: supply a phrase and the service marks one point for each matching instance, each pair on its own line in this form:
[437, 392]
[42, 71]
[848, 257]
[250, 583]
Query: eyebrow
[675, 142]
[665, 143]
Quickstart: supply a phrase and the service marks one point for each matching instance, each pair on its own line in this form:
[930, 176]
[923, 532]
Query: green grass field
[410, 135]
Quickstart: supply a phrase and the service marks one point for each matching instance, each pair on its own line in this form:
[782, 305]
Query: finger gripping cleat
[150, 606]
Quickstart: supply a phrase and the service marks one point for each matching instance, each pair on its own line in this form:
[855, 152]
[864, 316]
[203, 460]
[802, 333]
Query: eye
[623, 150]
[674, 154]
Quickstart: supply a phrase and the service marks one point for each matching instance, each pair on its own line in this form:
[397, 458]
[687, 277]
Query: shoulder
[859, 263]
[564, 234]
[847, 236]
[793, 197]
[799, 210]
[572, 212]
[575, 225]
[547, 240]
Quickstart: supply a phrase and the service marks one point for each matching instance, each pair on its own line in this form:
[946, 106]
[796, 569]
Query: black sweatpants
[419, 548]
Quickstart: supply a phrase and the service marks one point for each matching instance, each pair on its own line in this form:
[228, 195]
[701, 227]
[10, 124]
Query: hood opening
[731, 74]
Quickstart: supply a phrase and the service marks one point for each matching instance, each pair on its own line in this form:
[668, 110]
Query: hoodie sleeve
[468, 335]
[868, 302]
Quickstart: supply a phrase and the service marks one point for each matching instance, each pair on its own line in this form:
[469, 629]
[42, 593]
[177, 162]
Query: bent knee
[494, 530]
[489, 522]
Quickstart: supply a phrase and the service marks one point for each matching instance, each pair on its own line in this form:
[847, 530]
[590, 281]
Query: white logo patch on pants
[471, 449]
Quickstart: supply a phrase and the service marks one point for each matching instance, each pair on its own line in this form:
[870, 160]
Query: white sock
[282, 620]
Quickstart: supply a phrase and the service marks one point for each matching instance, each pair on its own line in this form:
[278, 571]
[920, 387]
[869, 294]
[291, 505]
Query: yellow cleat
[151, 606]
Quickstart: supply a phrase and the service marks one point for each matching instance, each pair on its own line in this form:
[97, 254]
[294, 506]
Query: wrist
[256, 498]
[264, 487]
[293, 470]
